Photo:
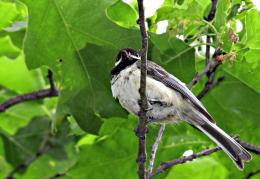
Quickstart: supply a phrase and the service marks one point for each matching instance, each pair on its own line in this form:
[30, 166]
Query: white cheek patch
[119, 61]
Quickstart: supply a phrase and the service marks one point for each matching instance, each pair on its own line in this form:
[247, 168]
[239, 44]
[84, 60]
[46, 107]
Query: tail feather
[233, 149]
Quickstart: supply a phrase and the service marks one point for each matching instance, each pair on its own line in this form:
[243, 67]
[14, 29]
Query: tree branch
[209, 68]
[41, 94]
[211, 73]
[212, 12]
[208, 86]
[141, 128]
[209, 18]
[250, 147]
[42, 149]
[210, 83]
[154, 148]
[249, 175]
[166, 165]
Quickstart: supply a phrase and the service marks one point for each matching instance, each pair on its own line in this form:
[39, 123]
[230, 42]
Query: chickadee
[169, 100]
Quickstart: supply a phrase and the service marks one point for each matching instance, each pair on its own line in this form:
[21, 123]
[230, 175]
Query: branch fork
[41, 94]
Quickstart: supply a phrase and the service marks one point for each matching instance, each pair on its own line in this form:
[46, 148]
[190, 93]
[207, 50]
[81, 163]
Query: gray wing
[159, 74]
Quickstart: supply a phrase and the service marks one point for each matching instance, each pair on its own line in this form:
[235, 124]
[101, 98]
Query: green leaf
[108, 154]
[251, 36]
[15, 82]
[26, 141]
[60, 157]
[117, 147]
[248, 73]
[88, 101]
[234, 106]
[17, 35]
[174, 55]
[185, 18]
[49, 166]
[72, 34]
[205, 167]
[19, 79]
[58, 151]
[4, 167]
[19, 116]
[111, 126]
[8, 13]
[123, 14]
[234, 10]
[80, 84]
[88, 139]
[86, 37]
[246, 67]
[233, 101]
[221, 14]
[8, 49]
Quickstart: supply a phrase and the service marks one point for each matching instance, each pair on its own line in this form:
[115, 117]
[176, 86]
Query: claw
[149, 107]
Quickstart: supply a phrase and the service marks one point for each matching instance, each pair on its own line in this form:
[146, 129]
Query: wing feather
[158, 73]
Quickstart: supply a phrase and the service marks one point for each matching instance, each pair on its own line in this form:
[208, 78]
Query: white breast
[125, 87]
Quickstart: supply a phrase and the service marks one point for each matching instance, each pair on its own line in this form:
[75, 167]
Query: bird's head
[125, 58]
[127, 55]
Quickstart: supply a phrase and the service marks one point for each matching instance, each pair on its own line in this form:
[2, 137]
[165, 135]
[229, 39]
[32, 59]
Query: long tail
[233, 149]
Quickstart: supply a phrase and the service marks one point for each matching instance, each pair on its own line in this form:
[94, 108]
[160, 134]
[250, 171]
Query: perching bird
[169, 100]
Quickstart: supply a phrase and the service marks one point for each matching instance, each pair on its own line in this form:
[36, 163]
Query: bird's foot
[148, 108]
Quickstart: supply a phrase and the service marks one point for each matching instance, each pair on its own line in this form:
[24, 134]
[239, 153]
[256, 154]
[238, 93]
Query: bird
[169, 101]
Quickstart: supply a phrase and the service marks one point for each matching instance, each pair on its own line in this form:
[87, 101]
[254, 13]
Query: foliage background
[93, 136]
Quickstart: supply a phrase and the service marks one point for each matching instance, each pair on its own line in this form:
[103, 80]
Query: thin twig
[253, 173]
[211, 73]
[141, 128]
[209, 18]
[41, 94]
[155, 147]
[210, 83]
[208, 86]
[209, 67]
[42, 149]
[250, 147]
[166, 165]
[212, 12]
